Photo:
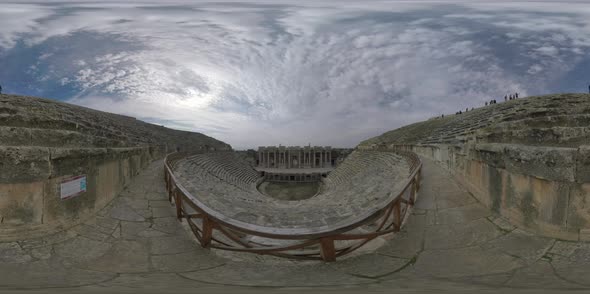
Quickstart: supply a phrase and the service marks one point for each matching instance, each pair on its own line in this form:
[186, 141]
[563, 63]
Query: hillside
[553, 120]
[31, 121]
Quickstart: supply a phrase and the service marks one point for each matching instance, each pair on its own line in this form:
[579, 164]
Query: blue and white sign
[72, 187]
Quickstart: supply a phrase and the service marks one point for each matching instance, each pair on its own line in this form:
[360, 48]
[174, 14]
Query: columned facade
[290, 157]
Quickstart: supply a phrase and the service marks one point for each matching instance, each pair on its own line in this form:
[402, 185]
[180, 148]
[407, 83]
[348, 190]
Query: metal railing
[213, 229]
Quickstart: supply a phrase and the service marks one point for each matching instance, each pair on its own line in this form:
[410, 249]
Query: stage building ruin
[295, 163]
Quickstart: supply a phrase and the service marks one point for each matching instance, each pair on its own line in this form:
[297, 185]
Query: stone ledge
[550, 163]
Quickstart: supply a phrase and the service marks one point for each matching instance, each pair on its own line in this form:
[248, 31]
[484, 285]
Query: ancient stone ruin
[495, 197]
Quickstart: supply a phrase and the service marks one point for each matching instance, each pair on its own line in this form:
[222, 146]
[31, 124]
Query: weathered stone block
[21, 203]
[23, 164]
[65, 161]
[491, 154]
[15, 136]
[579, 207]
[551, 163]
[583, 165]
[60, 138]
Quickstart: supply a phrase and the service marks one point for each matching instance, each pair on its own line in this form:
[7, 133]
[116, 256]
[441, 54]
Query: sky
[256, 73]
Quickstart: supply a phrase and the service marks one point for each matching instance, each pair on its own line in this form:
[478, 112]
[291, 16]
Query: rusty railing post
[418, 176]
[207, 232]
[178, 203]
[327, 249]
[413, 193]
[397, 216]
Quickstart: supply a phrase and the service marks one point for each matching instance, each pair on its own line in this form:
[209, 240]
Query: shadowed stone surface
[475, 251]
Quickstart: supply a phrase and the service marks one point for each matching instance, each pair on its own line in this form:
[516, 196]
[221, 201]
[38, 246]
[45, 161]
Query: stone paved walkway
[450, 242]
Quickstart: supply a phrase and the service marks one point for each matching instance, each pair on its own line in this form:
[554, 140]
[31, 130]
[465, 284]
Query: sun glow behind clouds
[257, 73]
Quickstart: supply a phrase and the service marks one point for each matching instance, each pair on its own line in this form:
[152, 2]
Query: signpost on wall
[72, 187]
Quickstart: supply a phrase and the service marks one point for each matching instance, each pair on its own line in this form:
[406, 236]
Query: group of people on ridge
[493, 101]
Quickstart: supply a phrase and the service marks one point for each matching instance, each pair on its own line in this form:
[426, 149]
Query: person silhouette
[0, 89]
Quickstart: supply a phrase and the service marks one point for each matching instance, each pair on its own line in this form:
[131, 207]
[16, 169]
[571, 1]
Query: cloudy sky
[277, 72]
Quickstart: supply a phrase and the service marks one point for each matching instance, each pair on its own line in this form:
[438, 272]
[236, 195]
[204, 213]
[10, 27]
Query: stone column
[322, 158]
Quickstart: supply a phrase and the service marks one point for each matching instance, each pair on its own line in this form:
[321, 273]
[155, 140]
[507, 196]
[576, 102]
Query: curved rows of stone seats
[552, 120]
[46, 143]
[32, 121]
[226, 167]
[225, 183]
[527, 159]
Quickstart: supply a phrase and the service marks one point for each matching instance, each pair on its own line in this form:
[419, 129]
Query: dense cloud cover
[263, 73]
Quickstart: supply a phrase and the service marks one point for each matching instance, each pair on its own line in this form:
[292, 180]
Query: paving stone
[123, 212]
[93, 232]
[529, 247]
[470, 261]
[539, 276]
[453, 200]
[163, 212]
[249, 274]
[156, 196]
[160, 203]
[151, 233]
[117, 233]
[150, 283]
[132, 229]
[461, 214]
[145, 213]
[108, 223]
[426, 199]
[493, 280]
[172, 245]
[405, 244]
[42, 252]
[567, 248]
[370, 265]
[137, 204]
[48, 240]
[196, 259]
[81, 249]
[12, 253]
[123, 257]
[168, 225]
[47, 273]
[460, 235]
[502, 223]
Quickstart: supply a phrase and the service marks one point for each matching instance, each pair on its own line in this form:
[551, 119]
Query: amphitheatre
[495, 198]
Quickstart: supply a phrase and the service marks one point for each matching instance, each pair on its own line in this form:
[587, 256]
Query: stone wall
[30, 178]
[44, 142]
[527, 159]
[541, 189]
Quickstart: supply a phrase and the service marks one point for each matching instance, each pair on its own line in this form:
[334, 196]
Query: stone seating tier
[31, 121]
[226, 184]
[552, 120]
